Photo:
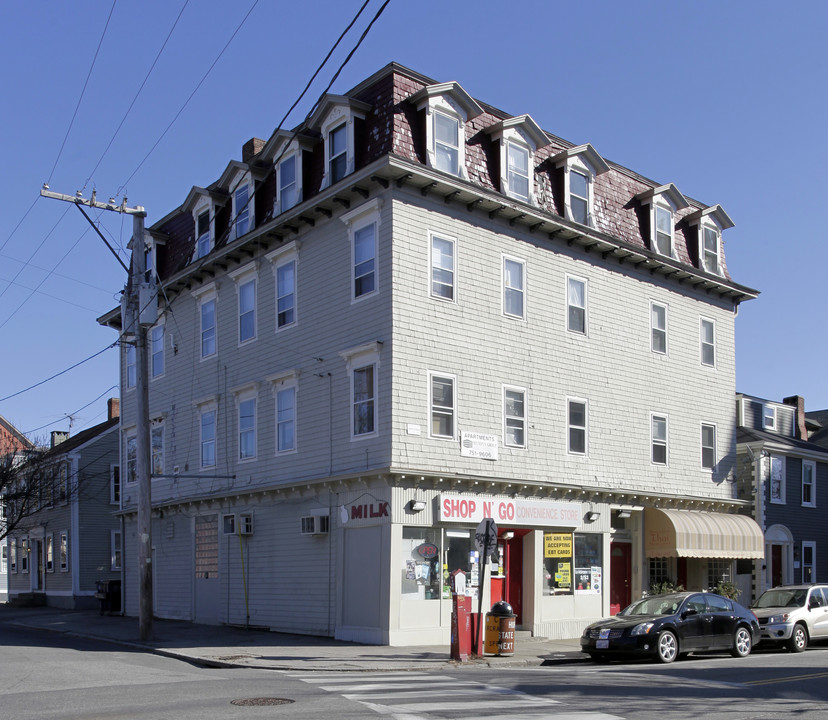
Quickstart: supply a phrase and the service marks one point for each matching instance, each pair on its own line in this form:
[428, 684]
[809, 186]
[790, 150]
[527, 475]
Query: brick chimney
[252, 148]
[58, 436]
[113, 408]
[798, 402]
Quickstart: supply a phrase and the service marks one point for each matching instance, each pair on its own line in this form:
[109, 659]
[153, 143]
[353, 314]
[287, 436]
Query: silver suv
[793, 615]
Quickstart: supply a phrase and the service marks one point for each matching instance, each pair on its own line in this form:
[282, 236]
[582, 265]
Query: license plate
[602, 644]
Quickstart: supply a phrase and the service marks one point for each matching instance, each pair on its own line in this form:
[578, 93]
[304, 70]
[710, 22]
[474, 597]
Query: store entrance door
[620, 572]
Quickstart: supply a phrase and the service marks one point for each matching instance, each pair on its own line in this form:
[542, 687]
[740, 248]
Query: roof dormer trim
[670, 192]
[356, 108]
[585, 153]
[452, 90]
[715, 213]
[525, 125]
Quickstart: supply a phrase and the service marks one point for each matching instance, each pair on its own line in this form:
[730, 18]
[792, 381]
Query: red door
[776, 565]
[620, 572]
[514, 573]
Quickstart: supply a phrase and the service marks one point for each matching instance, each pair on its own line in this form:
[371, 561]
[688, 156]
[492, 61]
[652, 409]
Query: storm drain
[262, 701]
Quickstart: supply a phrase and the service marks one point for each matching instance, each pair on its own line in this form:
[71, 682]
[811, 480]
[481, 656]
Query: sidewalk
[222, 646]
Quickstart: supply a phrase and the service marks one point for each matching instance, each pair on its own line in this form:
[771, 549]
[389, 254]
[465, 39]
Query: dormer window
[709, 223]
[287, 183]
[580, 165]
[335, 118]
[286, 151]
[664, 202]
[203, 234]
[448, 108]
[769, 417]
[241, 211]
[519, 137]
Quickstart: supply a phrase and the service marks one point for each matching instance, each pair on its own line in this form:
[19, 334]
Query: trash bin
[499, 638]
[108, 592]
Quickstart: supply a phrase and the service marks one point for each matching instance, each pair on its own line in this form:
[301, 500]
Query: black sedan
[669, 626]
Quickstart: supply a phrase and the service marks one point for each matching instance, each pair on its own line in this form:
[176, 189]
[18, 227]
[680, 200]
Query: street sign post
[485, 540]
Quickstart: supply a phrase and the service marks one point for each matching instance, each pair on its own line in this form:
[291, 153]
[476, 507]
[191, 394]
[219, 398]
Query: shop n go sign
[509, 511]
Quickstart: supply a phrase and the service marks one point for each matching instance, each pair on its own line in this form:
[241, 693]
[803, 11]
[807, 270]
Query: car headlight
[776, 619]
[642, 629]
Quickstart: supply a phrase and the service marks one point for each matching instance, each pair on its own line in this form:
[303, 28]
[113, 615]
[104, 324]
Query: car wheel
[799, 639]
[742, 642]
[667, 648]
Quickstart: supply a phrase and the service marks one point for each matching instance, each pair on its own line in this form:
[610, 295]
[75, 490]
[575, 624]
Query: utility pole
[138, 312]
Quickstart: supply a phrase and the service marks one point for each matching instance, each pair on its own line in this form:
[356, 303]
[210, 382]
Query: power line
[49, 295]
[113, 387]
[80, 99]
[56, 274]
[19, 223]
[62, 372]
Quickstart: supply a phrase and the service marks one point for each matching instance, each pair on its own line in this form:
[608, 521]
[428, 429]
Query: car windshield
[782, 597]
[656, 605]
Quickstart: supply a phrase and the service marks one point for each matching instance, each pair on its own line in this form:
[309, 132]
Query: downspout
[244, 579]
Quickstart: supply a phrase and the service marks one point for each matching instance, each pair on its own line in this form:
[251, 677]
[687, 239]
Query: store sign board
[509, 511]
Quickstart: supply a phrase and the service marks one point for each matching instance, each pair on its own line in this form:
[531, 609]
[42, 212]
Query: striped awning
[700, 534]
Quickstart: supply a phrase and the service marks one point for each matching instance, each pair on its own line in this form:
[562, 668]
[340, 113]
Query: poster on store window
[557, 561]
[588, 581]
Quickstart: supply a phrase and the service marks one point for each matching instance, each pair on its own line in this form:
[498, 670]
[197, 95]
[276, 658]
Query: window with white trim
[708, 446]
[518, 171]
[769, 417]
[719, 570]
[514, 283]
[576, 426]
[131, 454]
[286, 294]
[245, 278]
[4, 559]
[114, 484]
[286, 419]
[707, 333]
[64, 470]
[12, 555]
[663, 230]
[514, 416]
[363, 398]
[24, 555]
[157, 448]
[207, 313]
[63, 550]
[203, 235]
[658, 328]
[363, 228]
[49, 552]
[157, 350]
[579, 196]
[447, 142]
[241, 210]
[442, 267]
[115, 550]
[580, 165]
[207, 435]
[776, 478]
[130, 365]
[247, 426]
[658, 439]
[443, 408]
[338, 153]
[710, 249]
[808, 562]
[809, 483]
[287, 180]
[576, 305]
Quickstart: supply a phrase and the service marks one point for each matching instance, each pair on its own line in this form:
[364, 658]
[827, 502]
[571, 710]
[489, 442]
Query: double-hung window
[63, 551]
[710, 249]
[115, 549]
[114, 484]
[809, 564]
[443, 408]
[517, 158]
[286, 294]
[776, 478]
[707, 331]
[203, 234]
[50, 552]
[769, 417]
[157, 449]
[242, 209]
[664, 230]
[658, 439]
[338, 153]
[576, 316]
[514, 276]
[442, 267]
[514, 416]
[579, 196]
[363, 399]
[576, 422]
[708, 446]
[247, 428]
[446, 143]
[207, 422]
[365, 256]
[808, 483]
[157, 350]
[208, 327]
[287, 183]
[658, 328]
[130, 366]
[247, 310]
[131, 458]
[286, 419]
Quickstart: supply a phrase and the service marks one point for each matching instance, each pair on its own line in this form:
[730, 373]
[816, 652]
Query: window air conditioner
[314, 525]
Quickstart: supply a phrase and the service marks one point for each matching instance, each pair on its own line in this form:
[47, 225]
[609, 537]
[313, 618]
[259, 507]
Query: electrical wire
[19, 223]
[83, 91]
[56, 274]
[113, 387]
[49, 295]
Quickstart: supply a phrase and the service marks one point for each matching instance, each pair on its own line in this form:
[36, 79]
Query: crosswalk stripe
[449, 706]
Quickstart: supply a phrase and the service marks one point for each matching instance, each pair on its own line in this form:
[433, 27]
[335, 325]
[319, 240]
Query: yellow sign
[557, 545]
[564, 575]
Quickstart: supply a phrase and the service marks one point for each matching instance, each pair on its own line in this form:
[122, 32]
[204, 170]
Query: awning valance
[700, 534]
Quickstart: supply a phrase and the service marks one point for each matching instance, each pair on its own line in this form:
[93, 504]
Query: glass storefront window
[572, 563]
[422, 576]
[461, 554]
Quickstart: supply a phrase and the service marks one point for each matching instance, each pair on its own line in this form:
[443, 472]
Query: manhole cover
[262, 701]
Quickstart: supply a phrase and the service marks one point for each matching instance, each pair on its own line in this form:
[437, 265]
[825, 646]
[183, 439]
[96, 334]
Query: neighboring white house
[412, 313]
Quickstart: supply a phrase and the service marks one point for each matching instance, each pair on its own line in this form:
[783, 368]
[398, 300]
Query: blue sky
[725, 99]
